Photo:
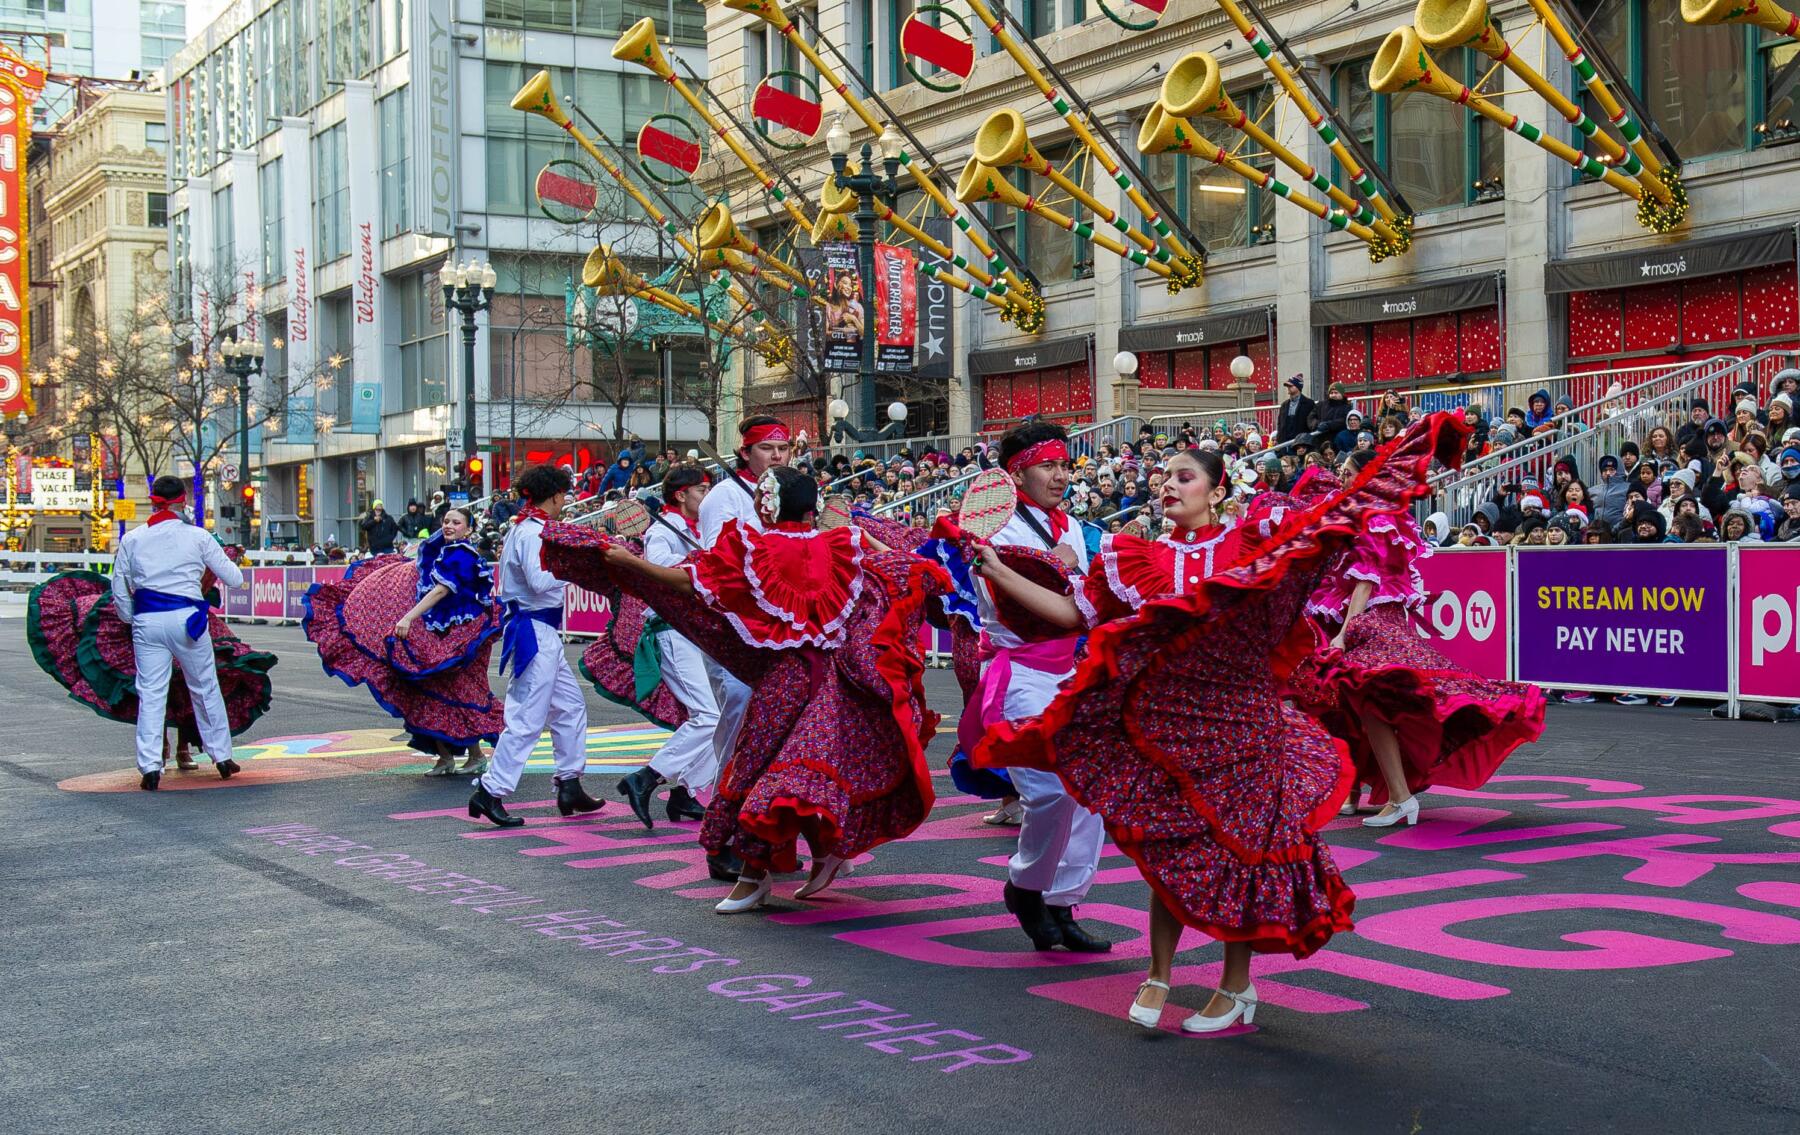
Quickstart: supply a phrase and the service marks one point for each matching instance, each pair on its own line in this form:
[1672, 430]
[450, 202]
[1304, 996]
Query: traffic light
[472, 470]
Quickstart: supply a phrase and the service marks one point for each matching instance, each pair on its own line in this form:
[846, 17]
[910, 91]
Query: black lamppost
[866, 184]
[243, 358]
[468, 288]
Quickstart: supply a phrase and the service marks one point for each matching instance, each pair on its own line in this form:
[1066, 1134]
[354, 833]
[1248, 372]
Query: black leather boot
[637, 788]
[1028, 907]
[683, 806]
[485, 803]
[228, 768]
[1074, 938]
[725, 867]
[572, 798]
[150, 781]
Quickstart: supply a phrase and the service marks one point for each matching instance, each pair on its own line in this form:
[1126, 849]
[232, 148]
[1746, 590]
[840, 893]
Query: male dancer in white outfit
[690, 757]
[764, 443]
[1059, 840]
[543, 690]
[156, 588]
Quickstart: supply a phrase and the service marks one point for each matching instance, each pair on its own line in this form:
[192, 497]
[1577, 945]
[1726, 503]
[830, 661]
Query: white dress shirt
[725, 501]
[169, 557]
[1019, 534]
[523, 579]
[665, 548]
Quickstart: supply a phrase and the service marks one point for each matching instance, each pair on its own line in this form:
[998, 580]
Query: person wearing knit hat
[1533, 503]
[1780, 414]
[1577, 514]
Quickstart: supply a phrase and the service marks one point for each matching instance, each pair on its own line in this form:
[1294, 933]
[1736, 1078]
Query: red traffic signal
[249, 492]
[473, 467]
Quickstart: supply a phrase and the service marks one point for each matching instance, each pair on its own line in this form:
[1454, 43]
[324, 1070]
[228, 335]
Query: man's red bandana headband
[772, 432]
[1052, 450]
[165, 502]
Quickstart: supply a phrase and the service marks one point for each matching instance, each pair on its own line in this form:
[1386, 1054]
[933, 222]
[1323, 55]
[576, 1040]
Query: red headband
[1052, 450]
[774, 431]
[164, 502]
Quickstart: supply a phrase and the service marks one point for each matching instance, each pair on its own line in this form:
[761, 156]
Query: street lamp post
[866, 184]
[468, 288]
[243, 358]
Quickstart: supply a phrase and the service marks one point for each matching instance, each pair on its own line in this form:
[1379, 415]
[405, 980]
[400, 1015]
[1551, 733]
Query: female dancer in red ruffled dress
[1411, 717]
[823, 626]
[1174, 729]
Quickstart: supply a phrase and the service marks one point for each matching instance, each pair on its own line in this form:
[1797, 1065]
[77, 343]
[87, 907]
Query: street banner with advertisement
[584, 612]
[20, 83]
[298, 423]
[1465, 616]
[896, 309]
[1652, 619]
[1768, 620]
[236, 599]
[844, 318]
[365, 241]
[295, 582]
[268, 592]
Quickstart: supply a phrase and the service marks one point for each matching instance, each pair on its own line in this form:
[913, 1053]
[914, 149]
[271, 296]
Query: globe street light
[866, 184]
[243, 358]
[468, 288]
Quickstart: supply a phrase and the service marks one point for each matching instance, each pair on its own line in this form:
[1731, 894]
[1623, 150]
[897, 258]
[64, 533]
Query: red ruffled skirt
[833, 743]
[1454, 728]
[437, 683]
[78, 639]
[1174, 729]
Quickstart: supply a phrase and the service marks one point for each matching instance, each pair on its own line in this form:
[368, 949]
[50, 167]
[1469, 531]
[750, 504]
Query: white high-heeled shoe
[1243, 1008]
[1394, 813]
[825, 869]
[1144, 1015]
[751, 901]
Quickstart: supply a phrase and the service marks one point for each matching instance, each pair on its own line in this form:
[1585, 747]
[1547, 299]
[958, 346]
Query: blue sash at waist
[518, 641]
[145, 599]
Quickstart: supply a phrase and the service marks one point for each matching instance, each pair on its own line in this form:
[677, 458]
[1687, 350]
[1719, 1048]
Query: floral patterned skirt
[437, 683]
[1454, 728]
[78, 639]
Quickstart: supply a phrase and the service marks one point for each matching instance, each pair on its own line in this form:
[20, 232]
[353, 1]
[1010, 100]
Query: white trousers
[1059, 840]
[691, 756]
[159, 641]
[733, 698]
[546, 694]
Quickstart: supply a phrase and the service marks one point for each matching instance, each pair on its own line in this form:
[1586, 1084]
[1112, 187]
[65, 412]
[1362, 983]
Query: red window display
[1733, 313]
[1060, 394]
[1206, 368]
[796, 414]
[1443, 346]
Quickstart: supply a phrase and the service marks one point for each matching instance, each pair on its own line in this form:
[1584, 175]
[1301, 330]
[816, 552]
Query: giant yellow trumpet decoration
[1403, 64]
[1193, 87]
[608, 276]
[1447, 24]
[1166, 133]
[716, 229]
[1764, 14]
[538, 97]
[1003, 141]
[982, 182]
[999, 280]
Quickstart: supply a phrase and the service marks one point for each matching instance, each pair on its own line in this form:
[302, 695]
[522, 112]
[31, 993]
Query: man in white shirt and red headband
[1059, 840]
[156, 587]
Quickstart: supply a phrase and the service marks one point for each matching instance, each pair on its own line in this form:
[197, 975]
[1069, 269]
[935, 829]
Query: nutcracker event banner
[20, 83]
[896, 308]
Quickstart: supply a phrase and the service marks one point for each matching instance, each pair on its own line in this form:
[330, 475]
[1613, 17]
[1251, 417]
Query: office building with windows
[328, 156]
[1518, 267]
[108, 39]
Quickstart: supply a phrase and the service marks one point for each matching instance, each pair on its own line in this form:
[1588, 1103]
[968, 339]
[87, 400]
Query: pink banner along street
[1466, 616]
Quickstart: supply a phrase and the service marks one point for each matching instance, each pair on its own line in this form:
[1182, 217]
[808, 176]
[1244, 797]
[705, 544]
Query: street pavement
[1604, 939]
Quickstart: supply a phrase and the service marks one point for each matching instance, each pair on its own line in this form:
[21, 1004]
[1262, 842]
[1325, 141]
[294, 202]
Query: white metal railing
[1628, 416]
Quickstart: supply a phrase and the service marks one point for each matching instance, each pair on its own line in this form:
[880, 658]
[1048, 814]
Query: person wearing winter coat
[1332, 413]
[1345, 439]
[1699, 413]
[1609, 495]
[1538, 410]
[1296, 413]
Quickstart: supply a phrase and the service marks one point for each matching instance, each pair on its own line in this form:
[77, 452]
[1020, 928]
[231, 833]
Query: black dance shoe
[150, 781]
[572, 798]
[1034, 918]
[724, 867]
[683, 806]
[636, 789]
[228, 768]
[485, 803]
[1074, 938]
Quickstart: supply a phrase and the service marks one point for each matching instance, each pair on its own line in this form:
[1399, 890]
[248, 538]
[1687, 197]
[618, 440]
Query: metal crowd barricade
[1459, 493]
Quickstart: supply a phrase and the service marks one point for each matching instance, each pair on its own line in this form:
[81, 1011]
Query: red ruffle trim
[782, 589]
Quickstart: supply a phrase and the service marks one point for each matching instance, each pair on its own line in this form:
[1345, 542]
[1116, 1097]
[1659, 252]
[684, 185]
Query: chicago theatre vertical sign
[20, 83]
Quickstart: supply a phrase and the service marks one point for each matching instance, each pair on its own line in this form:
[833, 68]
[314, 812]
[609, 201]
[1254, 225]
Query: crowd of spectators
[1699, 479]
